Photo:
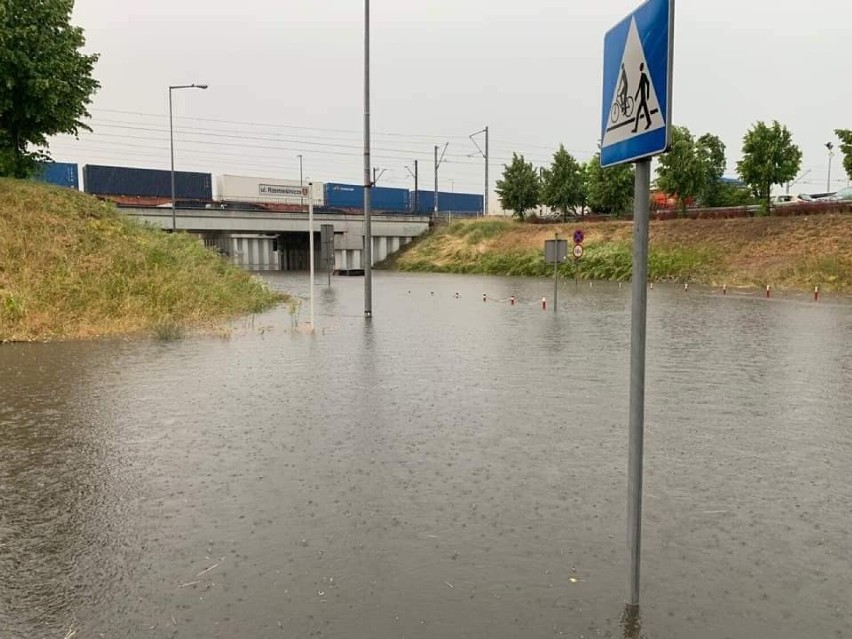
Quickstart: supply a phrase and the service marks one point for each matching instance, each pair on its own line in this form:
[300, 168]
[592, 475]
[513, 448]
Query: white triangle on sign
[635, 109]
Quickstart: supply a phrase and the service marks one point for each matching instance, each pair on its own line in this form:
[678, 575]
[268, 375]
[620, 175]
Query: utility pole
[484, 154]
[830, 147]
[485, 203]
[435, 198]
[414, 175]
[368, 235]
[797, 180]
[437, 164]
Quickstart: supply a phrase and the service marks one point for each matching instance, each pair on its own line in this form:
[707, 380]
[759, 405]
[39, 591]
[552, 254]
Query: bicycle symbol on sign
[622, 109]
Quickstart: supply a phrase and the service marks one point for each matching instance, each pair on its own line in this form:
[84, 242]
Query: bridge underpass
[262, 240]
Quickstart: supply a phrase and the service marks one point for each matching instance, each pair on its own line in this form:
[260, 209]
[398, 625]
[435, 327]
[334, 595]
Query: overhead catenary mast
[484, 154]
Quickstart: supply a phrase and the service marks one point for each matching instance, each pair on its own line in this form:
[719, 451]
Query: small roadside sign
[579, 236]
[637, 84]
[555, 251]
[578, 251]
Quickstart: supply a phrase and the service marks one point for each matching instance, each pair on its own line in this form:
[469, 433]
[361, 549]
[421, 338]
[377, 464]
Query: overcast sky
[286, 77]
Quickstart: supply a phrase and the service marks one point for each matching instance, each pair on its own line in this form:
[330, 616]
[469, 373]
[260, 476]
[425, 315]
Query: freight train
[128, 186]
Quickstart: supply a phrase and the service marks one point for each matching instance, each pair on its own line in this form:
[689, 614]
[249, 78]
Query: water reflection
[631, 622]
[452, 467]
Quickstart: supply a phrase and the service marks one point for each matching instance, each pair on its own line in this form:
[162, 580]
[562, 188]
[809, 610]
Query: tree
[520, 188]
[845, 136]
[46, 81]
[734, 195]
[609, 190]
[563, 184]
[769, 157]
[680, 171]
[711, 152]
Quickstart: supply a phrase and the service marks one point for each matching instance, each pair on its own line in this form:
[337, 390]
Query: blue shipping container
[351, 196]
[461, 203]
[60, 173]
[120, 180]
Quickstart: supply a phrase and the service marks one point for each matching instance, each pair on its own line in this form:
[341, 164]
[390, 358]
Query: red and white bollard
[768, 290]
[816, 293]
[512, 300]
[544, 303]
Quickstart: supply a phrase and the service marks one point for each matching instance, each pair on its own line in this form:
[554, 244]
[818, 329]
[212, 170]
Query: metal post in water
[368, 234]
[556, 273]
[311, 245]
[641, 213]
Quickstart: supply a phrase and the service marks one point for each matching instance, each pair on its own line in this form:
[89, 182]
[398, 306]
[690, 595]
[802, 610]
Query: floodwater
[452, 468]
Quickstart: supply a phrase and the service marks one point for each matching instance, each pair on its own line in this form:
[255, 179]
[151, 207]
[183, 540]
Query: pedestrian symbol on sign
[635, 108]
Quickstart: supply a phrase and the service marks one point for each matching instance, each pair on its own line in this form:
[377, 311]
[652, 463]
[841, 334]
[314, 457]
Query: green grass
[458, 249]
[74, 267]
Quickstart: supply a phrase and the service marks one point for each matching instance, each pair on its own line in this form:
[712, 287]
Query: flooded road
[453, 468]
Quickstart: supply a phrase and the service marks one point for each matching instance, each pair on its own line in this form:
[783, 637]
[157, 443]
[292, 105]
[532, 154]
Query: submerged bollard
[652, 286]
[686, 287]
[816, 293]
[724, 289]
[512, 300]
[768, 290]
[544, 303]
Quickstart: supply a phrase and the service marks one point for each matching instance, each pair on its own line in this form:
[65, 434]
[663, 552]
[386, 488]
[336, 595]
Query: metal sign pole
[311, 245]
[641, 213]
[556, 273]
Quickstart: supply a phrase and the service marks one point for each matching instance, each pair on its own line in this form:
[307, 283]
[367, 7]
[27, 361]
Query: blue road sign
[637, 84]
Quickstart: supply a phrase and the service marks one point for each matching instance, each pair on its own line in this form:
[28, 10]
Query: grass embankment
[73, 267]
[786, 252]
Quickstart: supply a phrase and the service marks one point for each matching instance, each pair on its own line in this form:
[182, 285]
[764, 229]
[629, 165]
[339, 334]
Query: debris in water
[208, 569]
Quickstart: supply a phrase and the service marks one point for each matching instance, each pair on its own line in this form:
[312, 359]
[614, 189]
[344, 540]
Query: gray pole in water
[556, 272]
[311, 246]
[368, 235]
[641, 213]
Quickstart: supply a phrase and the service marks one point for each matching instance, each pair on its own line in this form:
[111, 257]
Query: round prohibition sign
[578, 251]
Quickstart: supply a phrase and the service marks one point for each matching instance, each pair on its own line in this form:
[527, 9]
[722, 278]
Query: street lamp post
[301, 187]
[172, 141]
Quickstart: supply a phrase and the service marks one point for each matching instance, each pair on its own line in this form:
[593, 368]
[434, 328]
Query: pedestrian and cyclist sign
[637, 84]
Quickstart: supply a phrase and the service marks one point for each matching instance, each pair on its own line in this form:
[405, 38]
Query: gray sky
[286, 78]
